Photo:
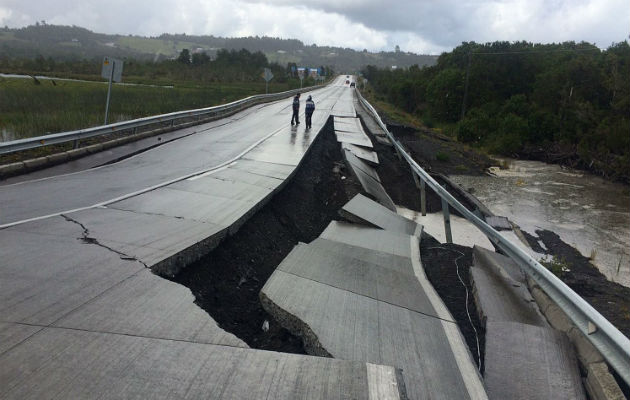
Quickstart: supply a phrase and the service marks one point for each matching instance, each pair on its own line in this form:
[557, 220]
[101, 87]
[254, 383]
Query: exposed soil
[611, 299]
[398, 181]
[226, 283]
[440, 154]
[442, 263]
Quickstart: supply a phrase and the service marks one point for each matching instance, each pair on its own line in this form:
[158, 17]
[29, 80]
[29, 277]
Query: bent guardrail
[610, 342]
[133, 125]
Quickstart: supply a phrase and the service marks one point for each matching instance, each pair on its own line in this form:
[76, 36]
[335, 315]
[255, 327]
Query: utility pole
[466, 86]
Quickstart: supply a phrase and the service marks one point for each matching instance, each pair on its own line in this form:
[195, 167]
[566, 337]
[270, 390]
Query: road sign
[112, 71]
[267, 75]
[112, 65]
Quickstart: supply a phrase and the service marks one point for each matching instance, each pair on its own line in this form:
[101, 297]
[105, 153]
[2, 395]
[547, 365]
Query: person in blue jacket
[310, 107]
[296, 110]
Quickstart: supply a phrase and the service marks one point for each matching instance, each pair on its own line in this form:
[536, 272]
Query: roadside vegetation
[34, 107]
[563, 103]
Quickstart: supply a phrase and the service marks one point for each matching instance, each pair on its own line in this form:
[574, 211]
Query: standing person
[296, 110]
[309, 108]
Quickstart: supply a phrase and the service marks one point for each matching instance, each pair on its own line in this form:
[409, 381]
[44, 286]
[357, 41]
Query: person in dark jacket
[296, 110]
[310, 107]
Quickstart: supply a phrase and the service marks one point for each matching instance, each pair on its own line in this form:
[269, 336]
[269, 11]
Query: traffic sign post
[267, 76]
[112, 70]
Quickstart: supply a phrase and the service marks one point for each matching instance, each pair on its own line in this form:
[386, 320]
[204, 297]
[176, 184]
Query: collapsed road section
[306, 266]
[81, 316]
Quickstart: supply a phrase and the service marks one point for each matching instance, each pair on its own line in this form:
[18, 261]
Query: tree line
[75, 43]
[190, 67]
[566, 103]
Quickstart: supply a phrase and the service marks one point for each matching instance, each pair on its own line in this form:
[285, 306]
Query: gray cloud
[426, 26]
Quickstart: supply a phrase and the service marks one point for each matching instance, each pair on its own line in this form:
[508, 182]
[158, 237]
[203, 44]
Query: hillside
[76, 43]
[565, 103]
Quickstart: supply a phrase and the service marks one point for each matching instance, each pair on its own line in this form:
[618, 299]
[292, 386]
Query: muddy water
[589, 213]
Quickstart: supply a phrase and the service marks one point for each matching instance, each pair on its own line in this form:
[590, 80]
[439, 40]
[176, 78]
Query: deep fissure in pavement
[227, 282]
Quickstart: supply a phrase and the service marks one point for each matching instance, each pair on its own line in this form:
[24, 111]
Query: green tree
[184, 57]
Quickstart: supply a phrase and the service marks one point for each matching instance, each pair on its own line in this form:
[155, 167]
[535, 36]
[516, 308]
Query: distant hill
[73, 42]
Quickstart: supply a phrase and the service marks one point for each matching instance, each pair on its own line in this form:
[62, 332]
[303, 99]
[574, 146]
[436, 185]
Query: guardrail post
[423, 193]
[75, 144]
[423, 198]
[447, 221]
[415, 179]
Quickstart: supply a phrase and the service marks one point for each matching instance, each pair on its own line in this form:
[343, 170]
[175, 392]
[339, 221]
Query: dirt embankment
[226, 283]
[609, 298]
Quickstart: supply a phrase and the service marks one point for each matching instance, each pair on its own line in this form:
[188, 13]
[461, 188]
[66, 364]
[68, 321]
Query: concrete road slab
[225, 188]
[368, 211]
[149, 306]
[221, 211]
[80, 364]
[359, 139]
[164, 243]
[267, 169]
[357, 276]
[498, 223]
[275, 155]
[176, 159]
[365, 155]
[344, 107]
[463, 231]
[498, 296]
[345, 121]
[352, 125]
[368, 238]
[358, 165]
[385, 260]
[12, 334]
[350, 326]
[498, 300]
[369, 180]
[47, 276]
[499, 264]
[144, 230]
[253, 177]
[530, 362]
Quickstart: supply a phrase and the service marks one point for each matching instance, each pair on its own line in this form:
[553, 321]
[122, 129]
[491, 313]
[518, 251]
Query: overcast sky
[421, 26]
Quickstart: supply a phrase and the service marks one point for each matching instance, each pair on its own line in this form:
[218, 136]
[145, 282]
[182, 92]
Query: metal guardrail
[610, 342]
[133, 125]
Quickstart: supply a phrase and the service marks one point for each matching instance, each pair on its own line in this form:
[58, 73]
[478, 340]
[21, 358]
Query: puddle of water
[591, 214]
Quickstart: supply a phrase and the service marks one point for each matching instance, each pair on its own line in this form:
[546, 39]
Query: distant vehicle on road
[347, 82]
[353, 84]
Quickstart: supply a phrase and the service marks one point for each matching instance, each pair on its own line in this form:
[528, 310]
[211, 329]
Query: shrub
[442, 156]
[557, 265]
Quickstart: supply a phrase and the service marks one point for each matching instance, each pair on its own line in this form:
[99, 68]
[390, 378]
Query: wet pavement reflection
[586, 211]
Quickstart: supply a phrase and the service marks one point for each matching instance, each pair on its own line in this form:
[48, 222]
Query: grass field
[28, 109]
[156, 46]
